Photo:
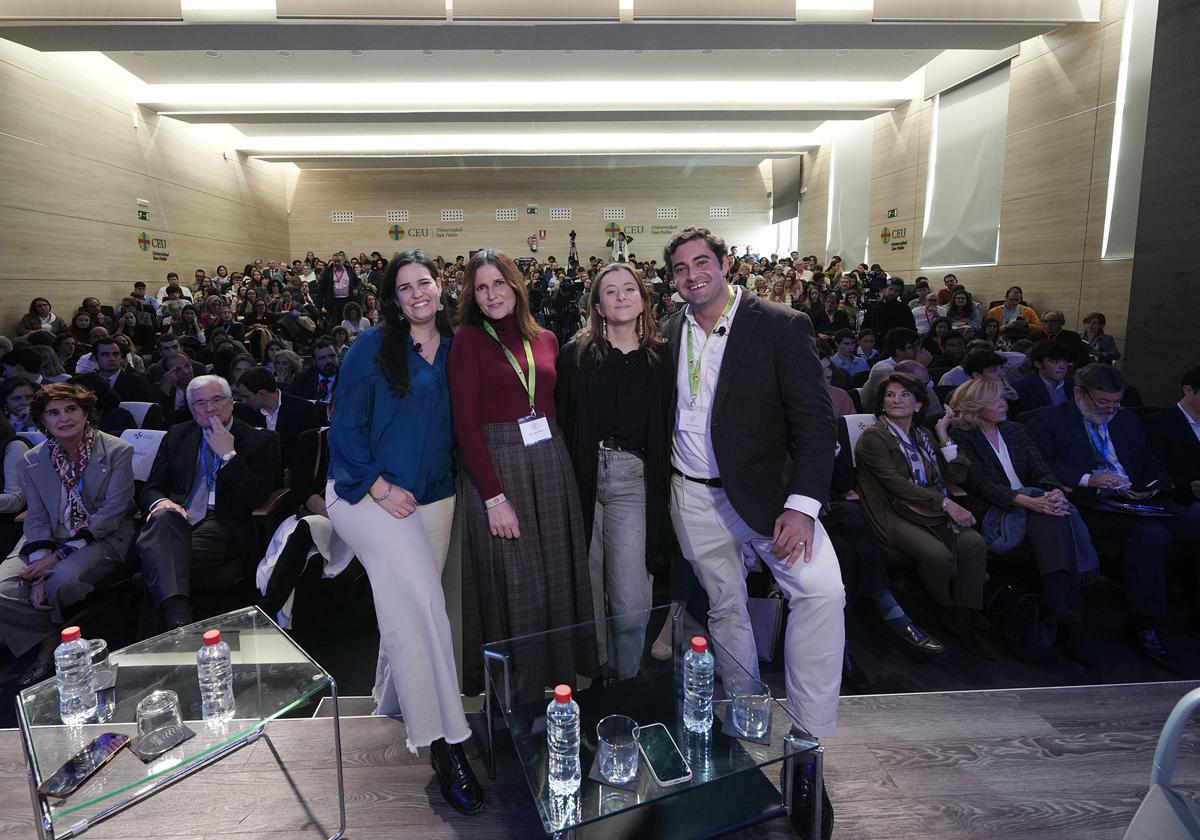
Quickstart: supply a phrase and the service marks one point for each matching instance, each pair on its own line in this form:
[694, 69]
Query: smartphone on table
[83, 765]
[666, 762]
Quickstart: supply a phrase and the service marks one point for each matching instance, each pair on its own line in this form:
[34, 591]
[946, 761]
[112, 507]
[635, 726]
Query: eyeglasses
[205, 405]
[1103, 405]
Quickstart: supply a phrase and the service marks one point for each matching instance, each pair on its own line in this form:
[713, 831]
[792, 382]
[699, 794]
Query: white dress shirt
[1001, 451]
[692, 452]
[1195, 424]
[272, 415]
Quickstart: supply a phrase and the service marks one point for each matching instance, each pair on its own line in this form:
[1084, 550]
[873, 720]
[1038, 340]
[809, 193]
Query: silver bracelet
[384, 496]
[495, 501]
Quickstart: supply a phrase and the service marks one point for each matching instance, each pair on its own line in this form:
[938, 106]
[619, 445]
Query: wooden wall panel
[73, 164]
[424, 193]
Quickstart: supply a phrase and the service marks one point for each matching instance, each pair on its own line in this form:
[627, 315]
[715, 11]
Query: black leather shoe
[854, 679]
[802, 815]
[917, 640]
[459, 786]
[1150, 646]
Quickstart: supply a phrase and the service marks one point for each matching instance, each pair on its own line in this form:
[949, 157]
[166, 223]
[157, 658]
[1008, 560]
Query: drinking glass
[618, 748]
[751, 705]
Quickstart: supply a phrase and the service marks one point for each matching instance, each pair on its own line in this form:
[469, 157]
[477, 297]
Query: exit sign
[143, 215]
[892, 213]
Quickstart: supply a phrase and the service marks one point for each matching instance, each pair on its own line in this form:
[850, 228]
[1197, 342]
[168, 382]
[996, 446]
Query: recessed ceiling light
[357, 53]
[212, 53]
[140, 53]
[283, 53]
[497, 52]
[705, 52]
[775, 52]
[426, 52]
[842, 52]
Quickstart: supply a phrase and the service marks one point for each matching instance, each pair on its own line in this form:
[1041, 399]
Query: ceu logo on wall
[143, 241]
[896, 237]
[612, 229]
[396, 232]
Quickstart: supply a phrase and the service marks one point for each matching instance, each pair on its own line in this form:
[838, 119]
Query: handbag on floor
[1016, 618]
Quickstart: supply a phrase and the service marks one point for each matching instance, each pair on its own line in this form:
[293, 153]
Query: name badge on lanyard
[535, 428]
[694, 418]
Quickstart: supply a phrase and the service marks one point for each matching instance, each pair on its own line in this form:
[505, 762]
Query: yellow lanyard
[530, 386]
[695, 366]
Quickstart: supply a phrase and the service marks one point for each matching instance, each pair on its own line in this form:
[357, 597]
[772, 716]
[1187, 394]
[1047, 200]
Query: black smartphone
[667, 764]
[83, 765]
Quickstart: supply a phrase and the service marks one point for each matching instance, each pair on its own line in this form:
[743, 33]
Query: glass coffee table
[272, 676]
[728, 770]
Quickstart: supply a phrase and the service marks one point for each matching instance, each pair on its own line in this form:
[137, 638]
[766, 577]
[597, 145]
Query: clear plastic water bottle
[562, 742]
[698, 686]
[76, 678]
[214, 667]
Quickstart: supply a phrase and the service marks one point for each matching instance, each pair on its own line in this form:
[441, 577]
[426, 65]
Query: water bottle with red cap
[214, 668]
[562, 742]
[698, 669]
[76, 678]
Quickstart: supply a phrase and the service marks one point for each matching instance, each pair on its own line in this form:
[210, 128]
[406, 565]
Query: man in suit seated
[1102, 453]
[1175, 436]
[129, 385]
[317, 383]
[282, 413]
[1049, 383]
[207, 479]
[168, 344]
[1052, 328]
[171, 393]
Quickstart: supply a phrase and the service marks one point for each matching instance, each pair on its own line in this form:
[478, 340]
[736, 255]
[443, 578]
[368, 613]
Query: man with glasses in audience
[1123, 492]
[208, 477]
[1052, 328]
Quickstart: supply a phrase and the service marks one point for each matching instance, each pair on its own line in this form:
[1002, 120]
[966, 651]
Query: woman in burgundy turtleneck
[525, 558]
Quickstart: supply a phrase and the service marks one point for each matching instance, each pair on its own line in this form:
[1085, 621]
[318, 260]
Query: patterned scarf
[923, 449]
[70, 473]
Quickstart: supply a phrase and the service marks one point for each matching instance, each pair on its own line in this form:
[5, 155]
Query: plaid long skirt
[536, 583]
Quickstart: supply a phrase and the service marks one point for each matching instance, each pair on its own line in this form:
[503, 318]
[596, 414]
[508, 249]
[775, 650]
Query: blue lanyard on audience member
[210, 472]
[1102, 443]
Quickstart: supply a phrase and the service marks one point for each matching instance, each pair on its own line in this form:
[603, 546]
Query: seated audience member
[1175, 436]
[91, 305]
[354, 321]
[317, 383]
[39, 318]
[901, 344]
[12, 492]
[1101, 346]
[173, 281]
[17, 397]
[1101, 451]
[950, 286]
[288, 367]
[168, 344]
[954, 350]
[241, 363]
[924, 316]
[829, 319]
[847, 357]
[1013, 315]
[132, 360]
[1014, 496]
[86, 363]
[81, 327]
[207, 479]
[226, 325]
[1049, 384]
[842, 404]
[171, 391]
[961, 312]
[890, 312]
[24, 363]
[866, 346]
[286, 415]
[918, 371]
[341, 340]
[932, 343]
[1053, 321]
[110, 417]
[900, 481]
[148, 302]
[129, 323]
[984, 364]
[79, 488]
[129, 386]
[305, 546]
[64, 347]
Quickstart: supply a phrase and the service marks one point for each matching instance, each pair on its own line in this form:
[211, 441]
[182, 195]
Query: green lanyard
[695, 365]
[530, 386]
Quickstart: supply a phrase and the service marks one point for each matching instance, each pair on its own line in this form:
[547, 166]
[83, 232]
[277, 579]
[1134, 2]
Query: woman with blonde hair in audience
[371, 309]
[525, 555]
[78, 485]
[779, 293]
[1016, 497]
[211, 316]
[1102, 347]
[902, 478]
[288, 366]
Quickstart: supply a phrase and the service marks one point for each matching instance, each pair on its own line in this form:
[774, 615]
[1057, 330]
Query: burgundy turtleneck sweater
[484, 389]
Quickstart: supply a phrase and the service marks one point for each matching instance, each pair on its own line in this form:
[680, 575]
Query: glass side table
[271, 677]
[648, 690]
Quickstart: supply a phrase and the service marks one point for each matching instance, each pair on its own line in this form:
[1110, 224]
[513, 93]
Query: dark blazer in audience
[308, 385]
[296, 415]
[1034, 394]
[1176, 444]
[132, 387]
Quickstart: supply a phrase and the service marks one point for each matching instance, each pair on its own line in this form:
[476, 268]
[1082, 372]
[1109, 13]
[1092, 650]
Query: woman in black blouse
[613, 409]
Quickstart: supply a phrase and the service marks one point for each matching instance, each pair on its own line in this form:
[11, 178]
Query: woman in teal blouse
[390, 497]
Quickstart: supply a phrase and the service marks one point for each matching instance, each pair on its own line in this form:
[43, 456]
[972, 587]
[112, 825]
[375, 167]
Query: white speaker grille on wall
[667, 214]
[719, 212]
[343, 217]
[560, 214]
[506, 214]
[452, 215]
[614, 214]
[397, 215]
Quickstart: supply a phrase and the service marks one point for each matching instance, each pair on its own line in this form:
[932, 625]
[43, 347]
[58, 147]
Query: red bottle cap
[562, 694]
[212, 637]
[70, 634]
[699, 644]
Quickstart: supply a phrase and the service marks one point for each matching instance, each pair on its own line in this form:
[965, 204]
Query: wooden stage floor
[1034, 764]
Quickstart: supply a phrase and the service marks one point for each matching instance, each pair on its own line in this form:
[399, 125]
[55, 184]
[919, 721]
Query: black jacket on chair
[1176, 444]
[773, 429]
[243, 484]
[1062, 437]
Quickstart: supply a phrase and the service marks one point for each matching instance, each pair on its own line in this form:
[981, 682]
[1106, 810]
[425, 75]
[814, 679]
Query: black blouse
[624, 392]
